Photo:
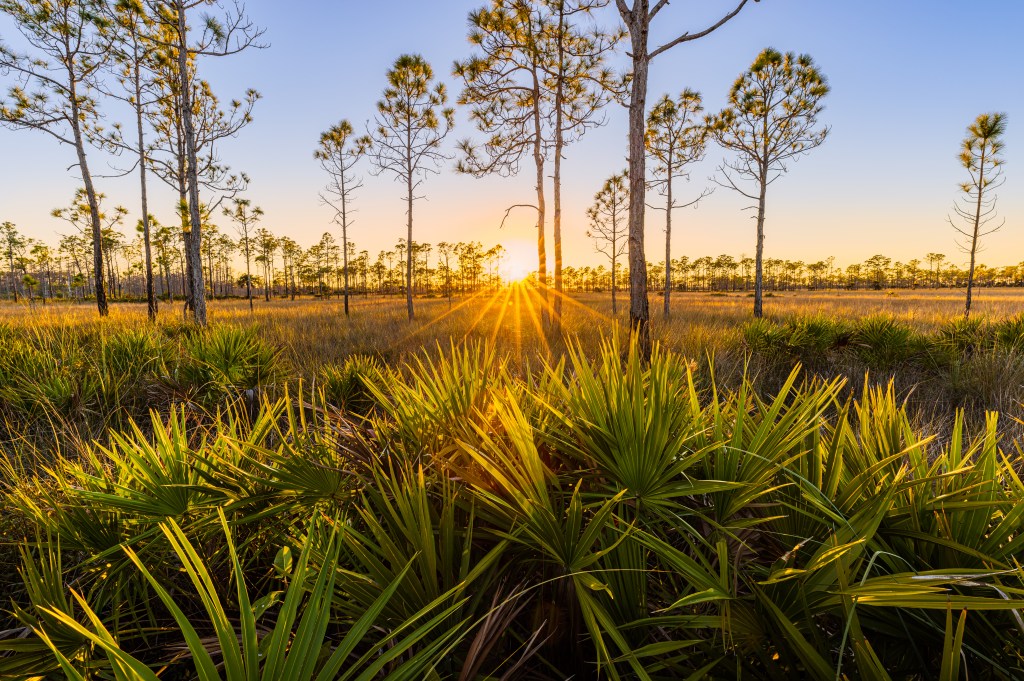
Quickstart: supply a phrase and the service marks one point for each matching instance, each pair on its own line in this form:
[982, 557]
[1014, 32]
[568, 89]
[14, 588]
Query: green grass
[61, 369]
[299, 497]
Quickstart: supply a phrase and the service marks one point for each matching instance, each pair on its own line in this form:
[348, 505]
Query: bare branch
[512, 208]
[687, 37]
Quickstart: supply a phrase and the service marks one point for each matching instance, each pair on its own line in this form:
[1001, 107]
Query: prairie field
[335, 344]
[315, 330]
[929, 355]
[827, 493]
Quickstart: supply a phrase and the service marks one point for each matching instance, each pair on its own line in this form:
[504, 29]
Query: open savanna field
[314, 331]
[915, 338]
[472, 495]
[510, 340]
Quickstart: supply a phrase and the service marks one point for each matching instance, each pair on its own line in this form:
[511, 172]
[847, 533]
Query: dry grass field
[316, 330]
[715, 330]
[924, 305]
[469, 497]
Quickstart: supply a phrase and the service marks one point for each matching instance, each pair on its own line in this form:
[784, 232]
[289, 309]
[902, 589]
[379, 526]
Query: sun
[520, 261]
[520, 270]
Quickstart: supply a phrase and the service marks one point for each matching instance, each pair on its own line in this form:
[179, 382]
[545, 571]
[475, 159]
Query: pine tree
[608, 222]
[976, 210]
[13, 245]
[220, 37]
[245, 217]
[639, 18]
[504, 87]
[339, 152]
[54, 85]
[770, 120]
[676, 138]
[580, 84]
[412, 122]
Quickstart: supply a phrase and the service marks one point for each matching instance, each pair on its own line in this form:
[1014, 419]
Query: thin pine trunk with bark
[538, 159]
[408, 242]
[344, 237]
[759, 258]
[668, 240]
[974, 238]
[559, 145]
[194, 242]
[639, 305]
[94, 206]
[151, 304]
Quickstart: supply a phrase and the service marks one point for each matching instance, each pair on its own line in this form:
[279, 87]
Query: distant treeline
[727, 273]
[282, 268]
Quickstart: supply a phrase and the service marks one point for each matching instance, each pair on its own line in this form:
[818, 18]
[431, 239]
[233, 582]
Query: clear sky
[907, 77]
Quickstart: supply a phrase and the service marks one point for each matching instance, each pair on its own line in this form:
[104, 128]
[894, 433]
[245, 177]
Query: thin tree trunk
[210, 272]
[668, 242]
[248, 274]
[164, 267]
[538, 158]
[974, 239]
[344, 237]
[408, 250]
[556, 321]
[615, 262]
[186, 252]
[759, 257]
[13, 278]
[268, 278]
[94, 207]
[151, 304]
[639, 305]
[194, 242]
[344, 260]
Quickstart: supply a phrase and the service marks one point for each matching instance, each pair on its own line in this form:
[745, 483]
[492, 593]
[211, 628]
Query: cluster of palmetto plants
[883, 342]
[457, 519]
[975, 363]
[77, 381]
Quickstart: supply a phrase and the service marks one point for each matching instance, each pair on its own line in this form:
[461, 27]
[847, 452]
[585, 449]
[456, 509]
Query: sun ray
[537, 323]
[437, 320]
[586, 308]
[503, 308]
[518, 321]
[480, 316]
[506, 303]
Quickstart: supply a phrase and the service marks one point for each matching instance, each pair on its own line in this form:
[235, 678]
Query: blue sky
[907, 77]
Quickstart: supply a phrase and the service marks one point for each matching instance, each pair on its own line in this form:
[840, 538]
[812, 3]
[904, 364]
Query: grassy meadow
[937, 362]
[832, 493]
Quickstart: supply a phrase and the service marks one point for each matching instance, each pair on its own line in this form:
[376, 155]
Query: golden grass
[314, 332]
[925, 309]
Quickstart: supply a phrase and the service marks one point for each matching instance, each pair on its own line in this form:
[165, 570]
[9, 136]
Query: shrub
[224, 361]
[764, 336]
[961, 336]
[991, 379]
[347, 386]
[126, 363]
[1009, 333]
[48, 380]
[599, 515]
[812, 338]
[884, 343]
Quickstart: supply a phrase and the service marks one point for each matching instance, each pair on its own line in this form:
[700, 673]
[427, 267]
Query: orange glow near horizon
[519, 261]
